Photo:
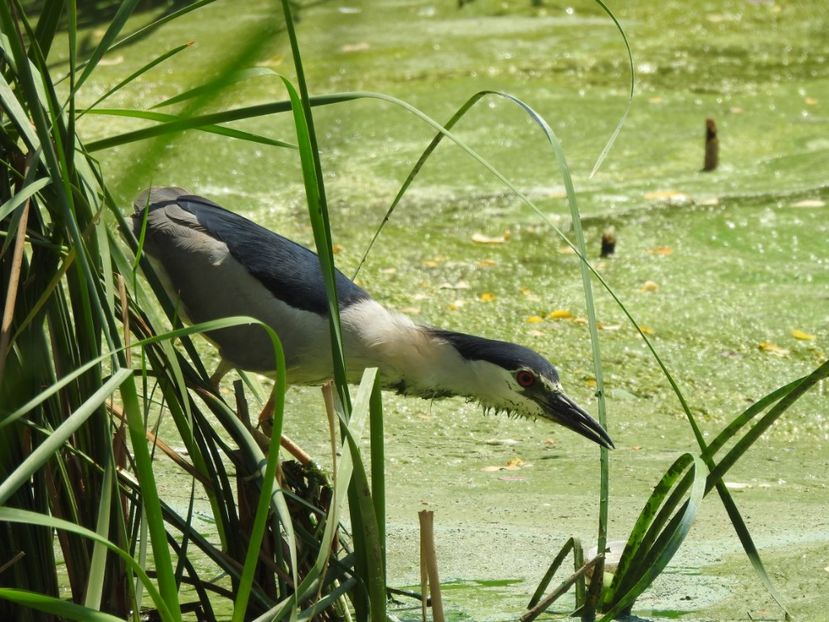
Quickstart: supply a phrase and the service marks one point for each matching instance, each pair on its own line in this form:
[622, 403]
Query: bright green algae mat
[723, 268]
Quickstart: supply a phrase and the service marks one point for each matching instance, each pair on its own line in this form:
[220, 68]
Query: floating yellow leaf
[649, 286]
[525, 291]
[487, 297]
[480, 238]
[810, 101]
[737, 485]
[669, 196]
[647, 330]
[349, 48]
[273, 61]
[657, 195]
[772, 348]
[809, 203]
[535, 319]
[661, 250]
[515, 463]
[559, 314]
[487, 263]
[591, 382]
[337, 248]
[799, 334]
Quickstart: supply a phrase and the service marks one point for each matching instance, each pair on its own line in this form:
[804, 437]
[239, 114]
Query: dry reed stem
[14, 281]
[429, 566]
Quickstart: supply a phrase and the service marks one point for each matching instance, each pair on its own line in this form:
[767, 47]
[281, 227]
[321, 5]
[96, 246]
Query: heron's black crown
[510, 356]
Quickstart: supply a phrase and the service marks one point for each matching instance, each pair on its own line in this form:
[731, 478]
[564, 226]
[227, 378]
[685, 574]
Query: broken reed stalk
[125, 319]
[430, 582]
[712, 146]
[14, 280]
[424, 580]
[328, 398]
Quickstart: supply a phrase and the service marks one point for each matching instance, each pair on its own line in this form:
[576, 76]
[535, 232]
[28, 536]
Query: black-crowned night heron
[219, 264]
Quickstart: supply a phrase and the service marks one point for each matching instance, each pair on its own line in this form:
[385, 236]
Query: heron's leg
[266, 416]
[295, 450]
[265, 422]
[221, 372]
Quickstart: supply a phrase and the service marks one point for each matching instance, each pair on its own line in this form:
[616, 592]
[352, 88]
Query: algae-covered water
[728, 270]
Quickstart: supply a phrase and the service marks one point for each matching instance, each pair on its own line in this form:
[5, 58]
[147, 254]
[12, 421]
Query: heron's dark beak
[566, 412]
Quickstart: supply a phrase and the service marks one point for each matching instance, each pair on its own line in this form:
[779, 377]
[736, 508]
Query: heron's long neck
[413, 359]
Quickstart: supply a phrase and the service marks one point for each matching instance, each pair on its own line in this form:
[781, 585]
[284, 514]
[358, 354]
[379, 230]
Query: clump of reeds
[89, 367]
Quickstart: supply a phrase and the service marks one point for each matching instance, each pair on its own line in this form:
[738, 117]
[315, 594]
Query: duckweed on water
[748, 263]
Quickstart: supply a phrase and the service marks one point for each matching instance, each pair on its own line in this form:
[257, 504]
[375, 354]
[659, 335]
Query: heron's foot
[266, 425]
[265, 422]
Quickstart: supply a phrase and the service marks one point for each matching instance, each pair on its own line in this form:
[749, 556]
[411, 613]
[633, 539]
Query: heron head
[519, 381]
[539, 393]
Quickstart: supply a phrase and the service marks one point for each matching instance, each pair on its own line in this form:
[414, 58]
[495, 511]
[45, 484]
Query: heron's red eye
[525, 378]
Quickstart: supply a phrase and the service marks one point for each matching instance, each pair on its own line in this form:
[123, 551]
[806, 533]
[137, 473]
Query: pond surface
[723, 268]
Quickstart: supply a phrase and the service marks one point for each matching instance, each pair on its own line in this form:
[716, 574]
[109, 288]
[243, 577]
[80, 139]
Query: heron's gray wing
[154, 195]
[288, 270]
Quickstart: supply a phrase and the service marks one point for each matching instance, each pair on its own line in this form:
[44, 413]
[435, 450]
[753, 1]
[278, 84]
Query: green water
[738, 257]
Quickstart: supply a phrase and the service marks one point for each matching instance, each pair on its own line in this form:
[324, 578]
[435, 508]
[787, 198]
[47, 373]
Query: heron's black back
[288, 270]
